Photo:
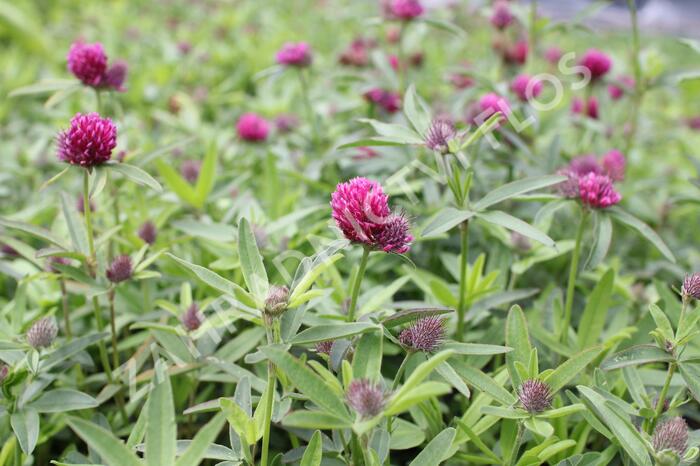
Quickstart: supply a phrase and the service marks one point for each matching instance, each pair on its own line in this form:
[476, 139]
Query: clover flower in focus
[88, 142]
[366, 398]
[425, 334]
[535, 396]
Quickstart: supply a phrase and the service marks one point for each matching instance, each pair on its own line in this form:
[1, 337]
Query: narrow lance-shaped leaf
[517, 188]
[596, 311]
[644, 229]
[505, 220]
[252, 266]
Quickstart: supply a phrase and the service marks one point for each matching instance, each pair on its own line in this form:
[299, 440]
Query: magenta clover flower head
[148, 232]
[691, 286]
[361, 211]
[491, 103]
[366, 398]
[589, 108]
[324, 347]
[597, 191]
[406, 10]
[277, 300]
[671, 435]
[295, 54]
[553, 54]
[120, 269]
[501, 17]
[597, 63]
[426, 334]
[4, 371]
[190, 170]
[439, 135]
[88, 142]
[614, 164]
[389, 101]
[526, 87]
[192, 318]
[88, 62]
[42, 333]
[517, 54]
[252, 128]
[535, 396]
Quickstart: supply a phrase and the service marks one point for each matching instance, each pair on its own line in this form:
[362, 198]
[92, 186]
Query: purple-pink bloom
[426, 334]
[671, 435]
[585, 164]
[87, 62]
[491, 103]
[406, 10]
[115, 76]
[501, 17]
[597, 191]
[120, 269]
[295, 54]
[439, 135]
[252, 127]
[324, 347]
[526, 87]
[190, 170]
[148, 232]
[590, 108]
[360, 209]
[535, 396]
[192, 318]
[387, 100]
[366, 398]
[597, 63]
[395, 236]
[617, 91]
[614, 165]
[89, 141]
[553, 54]
[517, 53]
[691, 286]
[42, 333]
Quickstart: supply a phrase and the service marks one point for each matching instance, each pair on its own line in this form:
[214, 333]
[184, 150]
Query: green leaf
[538, 426]
[394, 131]
[314, 451]
[484, 383]
[43, 87]
[505, 220]
[136, 174]
[70, 349]
[315, 420]
[476, 349]
[197, 450]
[416, 111]
[634, 356]
[377, 299]
[218, 282]
[516, 188]
[446, 26]
[306, 380]
[310, 277]
[505, 413]
[421, 392]
[627, 435]
[25, 425]
[451, 376]
[661, 321]
[447, 219]
[437, 450]
[240, 421]
[207, 175]
[596, 311]
[420, 373]
[367, 360]
[178, 185]
[76, 228]
[35, 231]
[602, 244]
[561, 412]
[517, 337]
[252, 265]
[111, 449]
[331, 332]
[411, 315]
[62, 400]
[572, 367]
[161, 429]
[644, 229]
[691, 375]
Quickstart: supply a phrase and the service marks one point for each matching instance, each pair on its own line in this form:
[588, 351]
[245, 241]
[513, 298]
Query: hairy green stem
[272, 337]
[659, 408]
[516, 445]
[464, 260]
[575, 257]
[357, 283]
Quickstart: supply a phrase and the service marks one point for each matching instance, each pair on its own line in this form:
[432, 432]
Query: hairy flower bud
[42, 333]
[277, 300]
[148, 232]
[366, 398]
[691, 286]
[439, 135]
[424, 334]
[120, 269]
[671, 435]
[192, 318]
[535, 396]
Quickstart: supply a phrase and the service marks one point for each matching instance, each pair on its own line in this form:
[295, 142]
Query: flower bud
[366, 398]
[535, 396]
[671, 435]
[277, 300]
[42, 333]
[120, 270]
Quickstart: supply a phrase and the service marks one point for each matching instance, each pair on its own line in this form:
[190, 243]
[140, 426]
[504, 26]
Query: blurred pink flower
[501, 17]
[295, 54]
[526, 87]
[597, 63]
[590, 109]
[614, 165]
[617, 91]
[597, 191]
[406, 10]
[252, 127]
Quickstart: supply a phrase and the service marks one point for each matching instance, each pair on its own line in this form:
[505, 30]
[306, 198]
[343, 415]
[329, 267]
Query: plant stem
[18, 453]
[464, 260]
[395, 384]
[658, 409]
[357, 283]
[575, 256]
[113, 325]
[313, 121]
[516, 445]
[64, 305]
[269, 400]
